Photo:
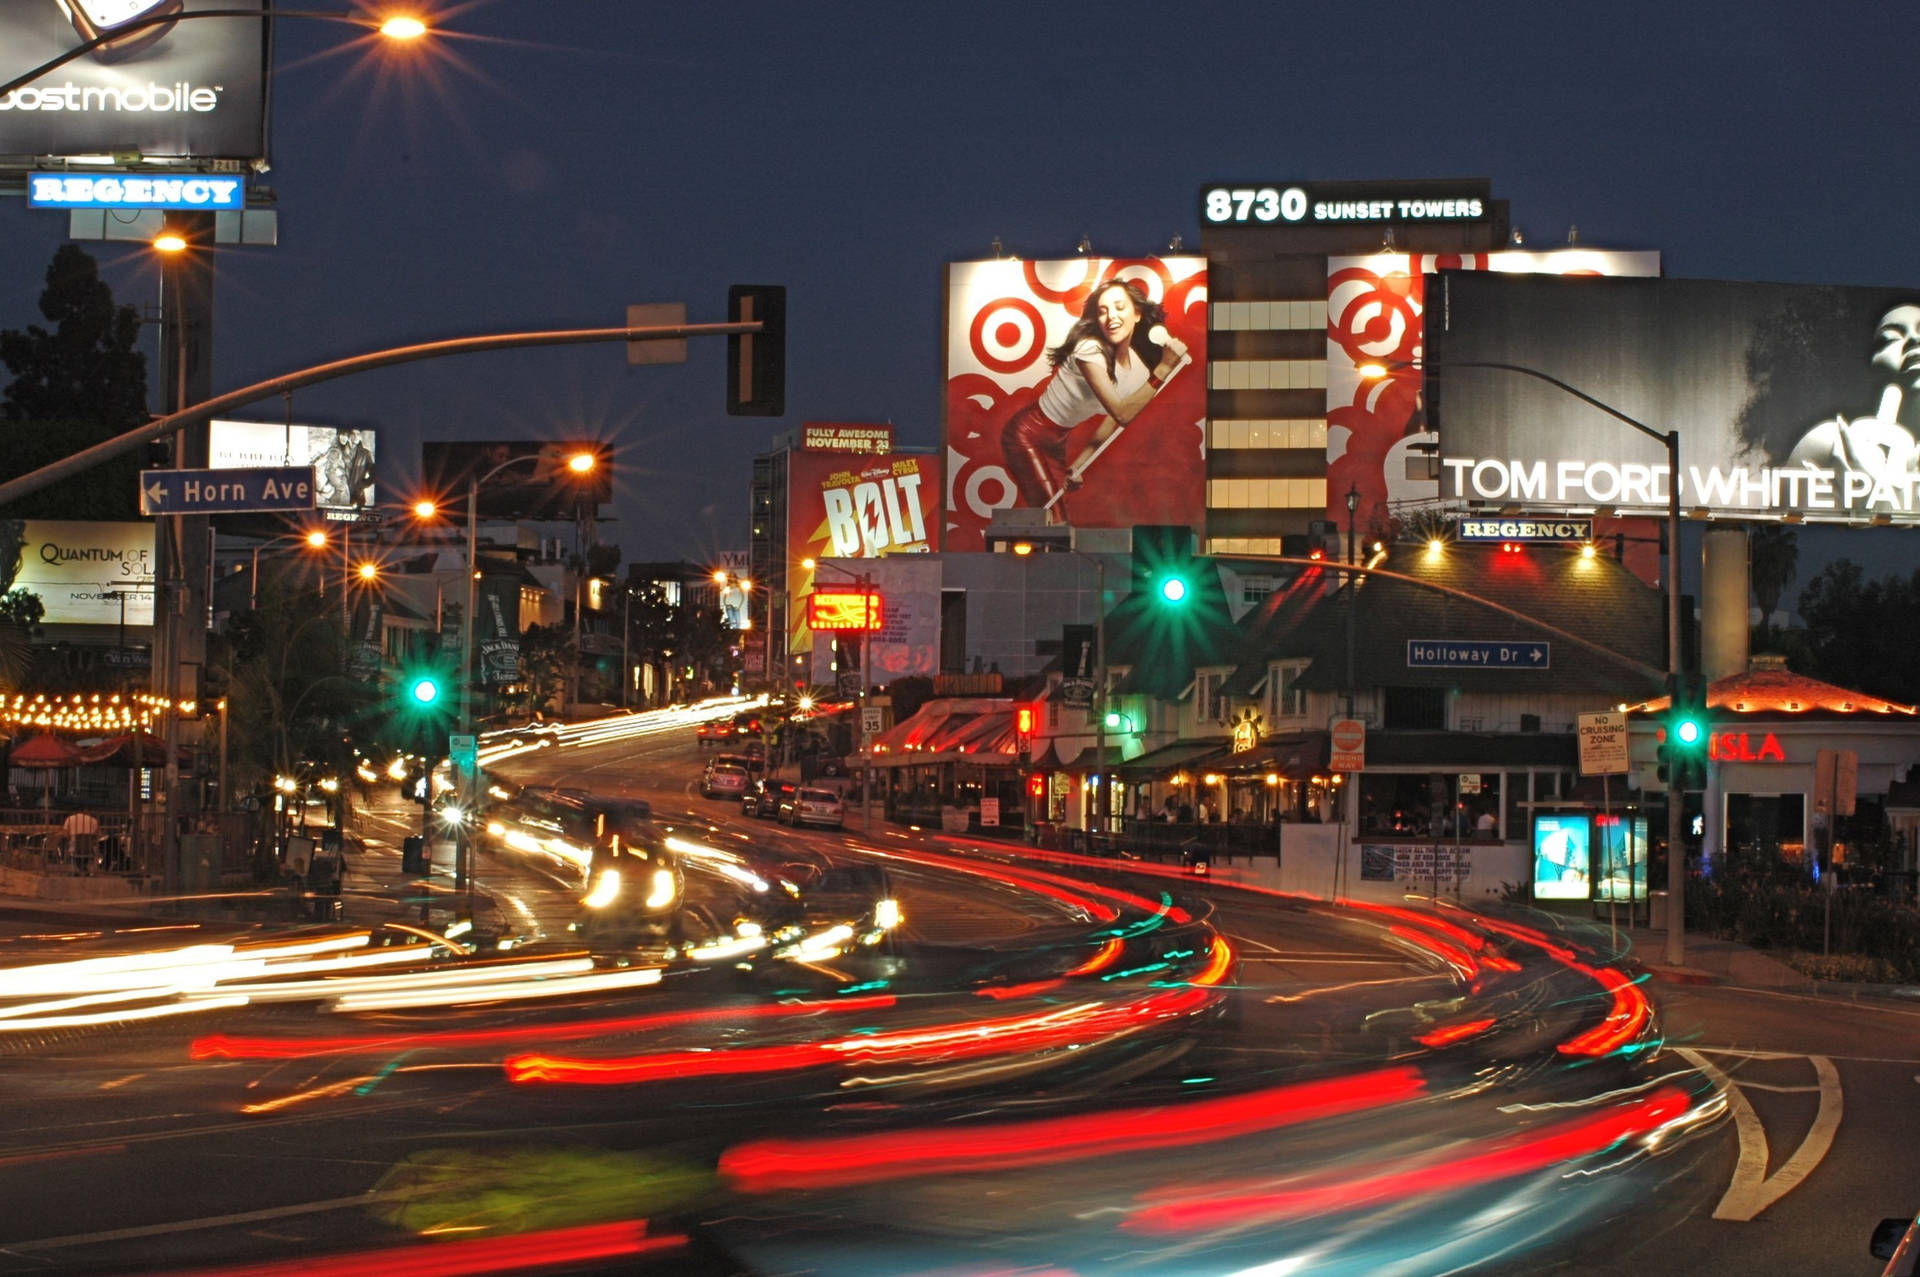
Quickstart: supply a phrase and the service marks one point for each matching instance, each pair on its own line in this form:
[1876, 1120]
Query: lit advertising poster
[844, 506]
[1376, 315]
[1620, 853]
[835, 436]
[85, 572]
[342, 460]
[1788, 399]
[908, 640]
[1051, 402]
[525, 479]
[1562, 850]
[184, 87]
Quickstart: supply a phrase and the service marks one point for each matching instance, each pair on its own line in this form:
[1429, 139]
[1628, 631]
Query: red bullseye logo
[1007, 335]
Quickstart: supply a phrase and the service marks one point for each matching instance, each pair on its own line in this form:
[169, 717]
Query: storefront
[1784, 752]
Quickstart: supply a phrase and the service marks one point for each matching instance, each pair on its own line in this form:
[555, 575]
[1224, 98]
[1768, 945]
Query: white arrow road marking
[1752, 1189]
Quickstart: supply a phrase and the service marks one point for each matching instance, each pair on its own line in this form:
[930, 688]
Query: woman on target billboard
[1076, 387]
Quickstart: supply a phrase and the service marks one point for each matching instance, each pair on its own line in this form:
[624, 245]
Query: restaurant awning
[1295, 756]
[45, 750]
[1180, 754]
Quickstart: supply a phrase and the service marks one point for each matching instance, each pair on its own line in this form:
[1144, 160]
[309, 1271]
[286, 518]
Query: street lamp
[313, 540]
[1676, 824]
[865, 582]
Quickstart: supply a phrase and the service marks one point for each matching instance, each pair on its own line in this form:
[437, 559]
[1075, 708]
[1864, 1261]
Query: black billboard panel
[174, 86]
[526, 479]
[1789, 400]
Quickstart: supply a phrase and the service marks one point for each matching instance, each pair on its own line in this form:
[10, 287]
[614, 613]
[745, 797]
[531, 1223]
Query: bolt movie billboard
[1789, 400]
[1077, 387]
[178, 87]
[1378, 441]
[849, 506]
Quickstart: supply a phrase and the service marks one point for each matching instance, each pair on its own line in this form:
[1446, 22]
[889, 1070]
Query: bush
[1882, 934]
[1851, 968]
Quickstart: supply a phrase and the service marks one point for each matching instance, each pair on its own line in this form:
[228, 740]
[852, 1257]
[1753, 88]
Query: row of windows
[1267, 374]
[1270, 432]
[1266, 494]
[1244, 545]
[1268, 316]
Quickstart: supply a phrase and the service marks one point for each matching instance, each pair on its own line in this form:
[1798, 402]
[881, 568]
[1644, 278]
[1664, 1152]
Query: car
[712, 732]
[724, 780]
[746, 761]
[764, 798]
[1898, 1242]
[813, 806]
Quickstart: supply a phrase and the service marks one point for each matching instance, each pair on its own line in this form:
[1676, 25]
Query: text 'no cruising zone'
[226, 491]
[1476, 654]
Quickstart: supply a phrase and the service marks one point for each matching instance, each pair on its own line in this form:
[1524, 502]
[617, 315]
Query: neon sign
[1740, 747]
[839, 610]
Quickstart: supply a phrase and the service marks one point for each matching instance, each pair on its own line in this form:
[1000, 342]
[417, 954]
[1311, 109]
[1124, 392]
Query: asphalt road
[134, 1149]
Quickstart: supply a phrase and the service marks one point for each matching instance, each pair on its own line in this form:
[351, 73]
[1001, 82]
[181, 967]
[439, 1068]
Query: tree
[1858, 631]
[289, 702]
[76, 384]
[1774, 557]
[546, 653]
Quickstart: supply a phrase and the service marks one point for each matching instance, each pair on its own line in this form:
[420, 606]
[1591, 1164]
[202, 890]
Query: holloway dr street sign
[1473, 654]
[226, 491]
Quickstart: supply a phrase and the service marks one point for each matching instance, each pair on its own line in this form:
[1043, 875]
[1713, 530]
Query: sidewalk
[1713, 961]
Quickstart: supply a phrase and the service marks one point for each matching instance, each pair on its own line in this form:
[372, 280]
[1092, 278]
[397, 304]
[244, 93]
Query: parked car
[1898, 1242]
[764, 798]
[811, 806]
[746, 761]
[713, 732]
[724, 780]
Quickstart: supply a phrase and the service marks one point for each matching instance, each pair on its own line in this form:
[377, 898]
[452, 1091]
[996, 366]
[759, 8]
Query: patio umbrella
[48, 753]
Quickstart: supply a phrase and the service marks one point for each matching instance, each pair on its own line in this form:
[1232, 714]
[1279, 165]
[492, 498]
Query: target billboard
[1077, 387]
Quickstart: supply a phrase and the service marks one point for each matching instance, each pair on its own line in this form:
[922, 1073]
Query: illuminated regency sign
[1230, 205]
[79, 190]
[1526, 529]
[842, 610]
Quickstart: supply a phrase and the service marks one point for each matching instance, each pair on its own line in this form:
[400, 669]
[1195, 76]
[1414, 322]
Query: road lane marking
[1752, 1189]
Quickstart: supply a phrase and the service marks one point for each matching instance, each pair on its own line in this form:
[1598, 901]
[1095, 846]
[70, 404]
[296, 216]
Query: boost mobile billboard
[1793, 400]
[1040, 358]
[186, 88]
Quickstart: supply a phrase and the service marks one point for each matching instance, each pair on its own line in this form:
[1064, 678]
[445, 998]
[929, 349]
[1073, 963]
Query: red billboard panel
[1077, 387]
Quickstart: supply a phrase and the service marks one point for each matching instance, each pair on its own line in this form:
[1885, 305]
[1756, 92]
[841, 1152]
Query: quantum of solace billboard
[191, 87]
[85, 573]
[1377, 433]
[848, 506]
[1077, 387]
[1788, 399]
[342, 460]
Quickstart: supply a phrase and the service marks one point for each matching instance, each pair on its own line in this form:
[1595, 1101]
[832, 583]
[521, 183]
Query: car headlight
[665, 889]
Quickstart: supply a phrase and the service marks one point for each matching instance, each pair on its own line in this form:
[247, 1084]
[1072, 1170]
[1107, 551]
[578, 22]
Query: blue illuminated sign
[135, 190]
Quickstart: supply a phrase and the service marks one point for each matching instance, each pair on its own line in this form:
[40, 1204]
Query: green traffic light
[426, 691]
[1173, 590]
[1687, 731]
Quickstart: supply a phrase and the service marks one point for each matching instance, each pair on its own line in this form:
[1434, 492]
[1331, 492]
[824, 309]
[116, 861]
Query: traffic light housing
[1682, 751]
[757, 362]
[1172, 589]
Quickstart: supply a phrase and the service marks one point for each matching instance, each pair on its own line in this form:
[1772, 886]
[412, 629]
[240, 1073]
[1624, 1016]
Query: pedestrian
[1488, 825]
[81, 833]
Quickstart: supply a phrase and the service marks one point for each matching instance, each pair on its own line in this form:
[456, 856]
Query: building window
[1208, 703]
[1266, 494]
[1285, 697]
[1267, 374]
[1300, 433]
[1268, 316]
[1245, 545]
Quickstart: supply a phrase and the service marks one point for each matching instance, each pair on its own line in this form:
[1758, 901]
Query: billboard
[834, 436]
[1052, 401]
[187, 89]
[1378, 442]
[1562, 856]
[86, 573]
[847, 506]
[527, 479]
[1798, 401]
[342, 460]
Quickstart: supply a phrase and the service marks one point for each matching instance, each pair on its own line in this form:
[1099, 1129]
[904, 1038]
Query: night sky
[544, 165]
